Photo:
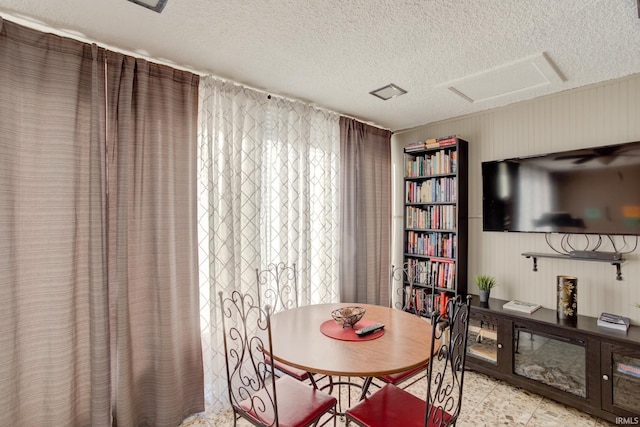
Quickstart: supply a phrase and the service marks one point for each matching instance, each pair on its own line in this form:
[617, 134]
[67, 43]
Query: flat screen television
[586, 191]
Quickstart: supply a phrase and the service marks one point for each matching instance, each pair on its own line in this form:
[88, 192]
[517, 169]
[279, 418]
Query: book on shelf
[448, 138]
[430, 143]
[614, 321]
[414, 148]
[441, 142]
[487, 353]
[521, 306]
[626, 368]
[483, 333]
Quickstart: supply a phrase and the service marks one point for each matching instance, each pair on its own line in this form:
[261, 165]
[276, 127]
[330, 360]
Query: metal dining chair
[394, 406]
[402, 282]
[277, 286]
[255, 394]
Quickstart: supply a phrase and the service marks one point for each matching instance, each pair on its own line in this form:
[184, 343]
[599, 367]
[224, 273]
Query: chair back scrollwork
[405, 288]
[247, 332]
[445, 372]
[278, 286]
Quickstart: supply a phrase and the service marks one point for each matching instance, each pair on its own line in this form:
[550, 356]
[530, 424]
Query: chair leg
[365, 387]
[313, 381]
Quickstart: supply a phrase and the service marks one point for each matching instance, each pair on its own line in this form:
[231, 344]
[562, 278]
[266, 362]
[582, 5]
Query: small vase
[484, 296]
[567, 303]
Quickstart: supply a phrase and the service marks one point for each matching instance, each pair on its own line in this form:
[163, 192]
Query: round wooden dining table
[298, 341]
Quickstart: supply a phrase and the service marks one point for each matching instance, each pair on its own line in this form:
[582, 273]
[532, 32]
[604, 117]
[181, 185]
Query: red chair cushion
[391, 406]
[296, 373]
[401, 376]
[298, 403]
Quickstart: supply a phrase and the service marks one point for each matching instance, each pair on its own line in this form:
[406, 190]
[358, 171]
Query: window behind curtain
[268, 192]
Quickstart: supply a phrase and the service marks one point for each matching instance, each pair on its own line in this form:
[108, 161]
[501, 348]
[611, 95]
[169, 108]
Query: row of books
[440, 162]
[437, 217]
[432, 143]
[438, 273]
[441, 245]
[424, 302]
[432, 190]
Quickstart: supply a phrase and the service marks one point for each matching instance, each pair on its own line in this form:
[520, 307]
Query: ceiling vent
[529, 73]
[155, 5]
[387, 92]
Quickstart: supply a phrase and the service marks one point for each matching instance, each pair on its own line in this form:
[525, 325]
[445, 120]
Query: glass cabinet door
[555, 360]
[482, 341]
[621, 380]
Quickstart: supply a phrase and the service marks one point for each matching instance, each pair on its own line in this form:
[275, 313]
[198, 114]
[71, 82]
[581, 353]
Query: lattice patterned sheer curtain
[268, 192]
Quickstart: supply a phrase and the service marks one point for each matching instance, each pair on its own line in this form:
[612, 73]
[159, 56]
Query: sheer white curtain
[268, 192]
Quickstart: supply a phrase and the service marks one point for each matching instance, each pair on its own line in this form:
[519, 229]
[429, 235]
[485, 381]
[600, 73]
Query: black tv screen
[586, 191]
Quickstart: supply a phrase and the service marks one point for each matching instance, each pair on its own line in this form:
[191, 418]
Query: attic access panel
[525, 74]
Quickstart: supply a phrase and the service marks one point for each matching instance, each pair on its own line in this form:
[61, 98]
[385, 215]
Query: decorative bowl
[348, 316]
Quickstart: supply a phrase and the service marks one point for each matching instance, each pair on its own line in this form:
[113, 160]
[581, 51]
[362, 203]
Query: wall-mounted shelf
[536, 255]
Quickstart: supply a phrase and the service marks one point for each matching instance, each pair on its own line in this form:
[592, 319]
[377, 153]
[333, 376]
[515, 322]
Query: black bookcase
[435, 221]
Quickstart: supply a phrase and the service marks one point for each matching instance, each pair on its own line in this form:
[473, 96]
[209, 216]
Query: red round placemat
[331, 329]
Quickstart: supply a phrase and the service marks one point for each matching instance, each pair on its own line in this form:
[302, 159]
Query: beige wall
[607, 113]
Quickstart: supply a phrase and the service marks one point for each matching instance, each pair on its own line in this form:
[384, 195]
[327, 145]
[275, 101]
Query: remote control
[369, 329]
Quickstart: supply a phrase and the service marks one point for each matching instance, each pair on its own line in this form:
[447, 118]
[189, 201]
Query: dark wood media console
[594, 369]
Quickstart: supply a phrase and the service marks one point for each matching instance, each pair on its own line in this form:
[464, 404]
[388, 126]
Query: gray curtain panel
[365, 220]
[54, 336]
[153, 271]
[99, 316]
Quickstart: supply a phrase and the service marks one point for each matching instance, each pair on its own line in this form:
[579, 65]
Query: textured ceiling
[332, 53]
